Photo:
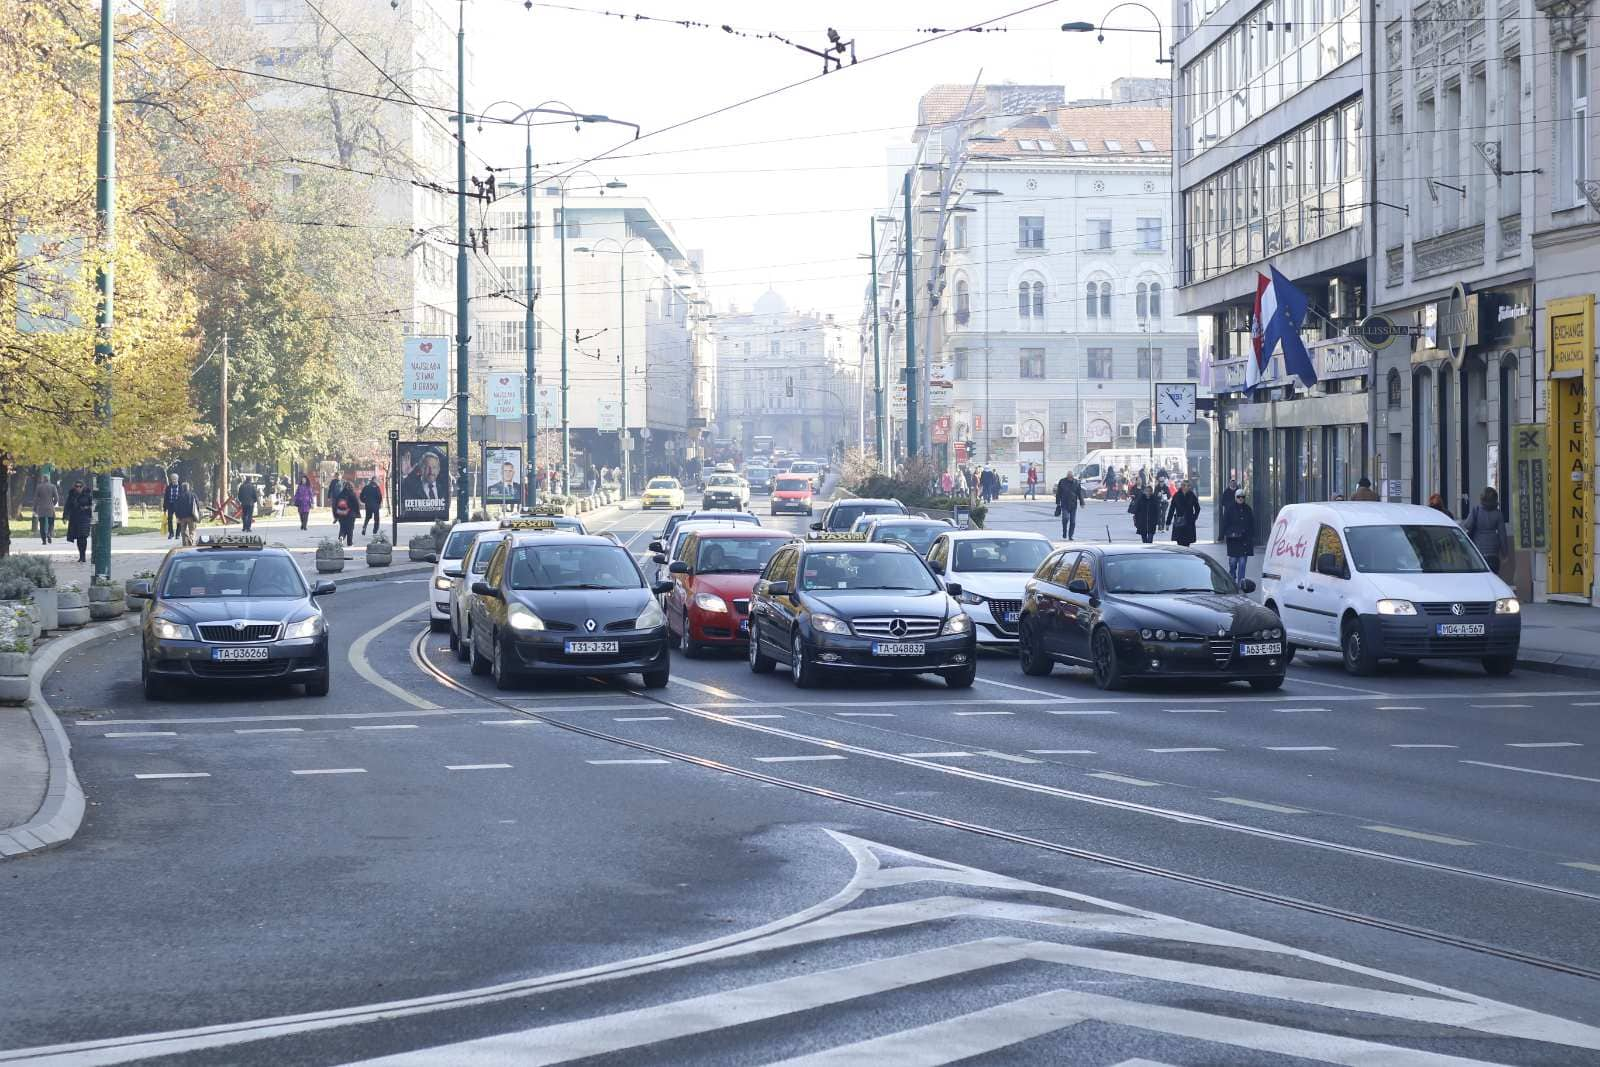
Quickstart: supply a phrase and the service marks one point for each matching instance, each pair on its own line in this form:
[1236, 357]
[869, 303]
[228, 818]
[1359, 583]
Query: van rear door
[1284, 569]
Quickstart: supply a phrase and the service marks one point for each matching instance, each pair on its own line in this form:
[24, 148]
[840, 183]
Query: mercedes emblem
[1457, 609]
[897, 627]
[588, 624]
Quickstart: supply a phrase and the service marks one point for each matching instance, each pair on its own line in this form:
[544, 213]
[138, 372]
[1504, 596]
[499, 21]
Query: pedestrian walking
[1436, 502]
[79, 513]
[305, 498]
[946, 483]
[1486, 525]
[248, 497]
[1364, 490]
[1033, 482]
[1163, 499]
[169, 497]
[1183, 514]
[1239, 532]
[46, 498]
[335, 487]
[186, 509]
[346, 506]
[1069, 494]
[372, 505]
[1145, 508]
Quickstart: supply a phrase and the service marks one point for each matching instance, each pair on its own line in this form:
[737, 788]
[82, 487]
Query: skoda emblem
[240, 626]
[897, 627]
[588, 624]
[1457, 609]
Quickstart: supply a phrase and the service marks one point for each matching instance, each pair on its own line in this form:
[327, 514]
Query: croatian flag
[1280, 309]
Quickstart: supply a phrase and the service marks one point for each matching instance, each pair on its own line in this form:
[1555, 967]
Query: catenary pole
[877, 355]
[462, 338]
[530, 464]
[911, 342]
[105, 209]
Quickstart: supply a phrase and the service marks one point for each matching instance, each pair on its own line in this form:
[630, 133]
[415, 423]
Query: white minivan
[1387, 581]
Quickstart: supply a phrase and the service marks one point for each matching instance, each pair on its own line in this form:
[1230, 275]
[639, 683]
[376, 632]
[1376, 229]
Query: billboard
[609, 419]
[547, 404]
[505, 396]
[425, 369]
[424, 473]
[502, 473]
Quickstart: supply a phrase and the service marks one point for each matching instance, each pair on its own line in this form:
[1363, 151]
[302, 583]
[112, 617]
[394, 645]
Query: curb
[1572, 666]
[61, 813]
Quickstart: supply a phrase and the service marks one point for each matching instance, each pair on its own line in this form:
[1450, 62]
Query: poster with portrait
[424, 481]
[502, 472]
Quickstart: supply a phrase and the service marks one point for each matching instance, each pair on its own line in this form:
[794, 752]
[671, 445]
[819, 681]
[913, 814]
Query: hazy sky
[790, 211]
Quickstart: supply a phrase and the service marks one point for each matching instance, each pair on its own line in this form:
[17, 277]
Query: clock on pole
[1175, 403]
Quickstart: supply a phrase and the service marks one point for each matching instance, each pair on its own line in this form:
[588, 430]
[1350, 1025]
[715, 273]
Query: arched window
[963, 301]
[1091, 300]
[1022, 300]
[1155, 300]
[1394, 389]
[1038, 300]
[1141, 305]
[1105, 300]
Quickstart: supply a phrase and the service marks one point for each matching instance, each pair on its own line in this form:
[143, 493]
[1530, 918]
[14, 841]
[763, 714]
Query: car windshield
[1000, 555]
[758, 473]
[545, 567]
[233, 574]
[1412, 550]
[1159, 573]
[865, 571]
[843, 517]
[486, 543]
[458, 543]
[723, 479]
[662, 483]
[804, 467]
[918, 535]
[794, 485]
[736, 555]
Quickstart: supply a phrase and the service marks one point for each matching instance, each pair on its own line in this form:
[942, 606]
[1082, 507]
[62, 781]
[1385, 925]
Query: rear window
[844, 516]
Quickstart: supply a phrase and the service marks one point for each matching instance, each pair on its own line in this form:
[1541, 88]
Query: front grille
[563, 627]
[917, 628]
[225, 633]
[742, 605]
[1221, 650]
[1000, 608]
[271, 668]
[1479, 607]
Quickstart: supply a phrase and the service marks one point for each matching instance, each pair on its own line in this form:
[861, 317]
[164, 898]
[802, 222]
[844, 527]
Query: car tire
[504, 676]
[1359, 659]
[657, 679]
[1034, 663]
[760, 662]
[464, 646]
[1266, 685]
[476, 661]
[319, 684]
[435, 625]
[962, 678]
[455, 638]
[686, 644]
[802, 671]
[1499, 666]
[1107, 671]
[155, 686]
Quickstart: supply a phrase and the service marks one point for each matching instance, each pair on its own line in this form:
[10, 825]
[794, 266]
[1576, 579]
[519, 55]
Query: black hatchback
[232, 609]
[1147, 611]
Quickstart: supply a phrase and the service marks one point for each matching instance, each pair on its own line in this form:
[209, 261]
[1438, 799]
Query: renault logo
[897, 627]
[588, 624]
[1457, 609]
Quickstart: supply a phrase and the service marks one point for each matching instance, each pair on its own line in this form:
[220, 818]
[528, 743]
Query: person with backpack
[346, 506]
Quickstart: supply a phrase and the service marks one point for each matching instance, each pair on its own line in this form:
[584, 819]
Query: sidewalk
[1560, 638]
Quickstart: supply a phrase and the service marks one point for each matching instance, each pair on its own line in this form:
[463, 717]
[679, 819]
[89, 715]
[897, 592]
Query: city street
[422, 870]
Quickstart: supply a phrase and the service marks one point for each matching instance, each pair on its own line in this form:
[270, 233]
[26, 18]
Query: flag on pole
[1279, 311]
[1255, 367]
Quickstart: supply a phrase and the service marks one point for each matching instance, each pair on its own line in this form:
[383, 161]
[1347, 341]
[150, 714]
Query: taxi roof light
[840, 537]
[231, 540]
[527, 524]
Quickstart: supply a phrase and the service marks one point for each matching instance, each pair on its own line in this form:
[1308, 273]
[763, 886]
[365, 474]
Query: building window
[1574, 147]
[1030, 231]
[958, 369]
[1105, 300]
[959, 240]
[1102, 231]
[1023, 305]
[1038, 300]
[777, 348]
[1032, 363]
[1141, 302]
[1099, 363]
[1149, 363]
[963, 301]
[1155, 300]
[1394, 389]
[1191, 363]
[1149, 235]
[1091, 300]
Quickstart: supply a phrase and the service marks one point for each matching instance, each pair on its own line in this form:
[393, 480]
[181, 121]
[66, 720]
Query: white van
[1387, 581]
[1128, 462]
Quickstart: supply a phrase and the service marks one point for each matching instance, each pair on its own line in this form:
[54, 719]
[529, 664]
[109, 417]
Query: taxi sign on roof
[231, 540]
[840, 537]
[547, 509]
[527, 524]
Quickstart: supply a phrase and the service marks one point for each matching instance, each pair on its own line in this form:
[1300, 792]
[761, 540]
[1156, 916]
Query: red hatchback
[712, 576]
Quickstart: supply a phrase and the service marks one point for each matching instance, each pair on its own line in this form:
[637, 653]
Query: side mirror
[953, 588]
[936, 566]
[140, 590]
[662, 587]
[432, 557]
[485, 589]
[657, 546]
[677, 566]
[1329, 565]
[324, 588]
[659, 559]
[777, 588]
[817, 526]
[1247, 586]
[1079, 586]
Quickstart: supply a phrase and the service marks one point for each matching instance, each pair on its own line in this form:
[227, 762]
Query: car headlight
[969, 598]
[710, 602]
[443, 582]
[958, 623]
[1396, 607]
[829, 624]
[310, 626]
[521, 618]
[651, 617]
[1272, 633]
[1507, 605]
[167, 630]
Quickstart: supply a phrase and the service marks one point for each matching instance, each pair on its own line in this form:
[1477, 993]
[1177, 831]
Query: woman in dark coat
[346, 507]
[1183, 514]
[1146, 513]
[79, 513]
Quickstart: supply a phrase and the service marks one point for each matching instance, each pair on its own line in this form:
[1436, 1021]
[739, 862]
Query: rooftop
[1087, 132]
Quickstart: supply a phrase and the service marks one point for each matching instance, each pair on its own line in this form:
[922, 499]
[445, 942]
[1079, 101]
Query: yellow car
[662, 493]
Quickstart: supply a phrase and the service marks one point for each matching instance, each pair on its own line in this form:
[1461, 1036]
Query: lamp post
[1100, 31]
[105, 205]
[622, 359]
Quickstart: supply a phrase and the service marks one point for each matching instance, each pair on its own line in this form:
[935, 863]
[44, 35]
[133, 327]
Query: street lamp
[1100, 31]
[621, 253]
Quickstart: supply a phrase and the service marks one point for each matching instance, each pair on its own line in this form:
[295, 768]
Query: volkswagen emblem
[897, 627]
[588, 624]
[1457, 609]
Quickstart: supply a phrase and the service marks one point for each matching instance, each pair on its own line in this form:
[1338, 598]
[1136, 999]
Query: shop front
[1569, 404]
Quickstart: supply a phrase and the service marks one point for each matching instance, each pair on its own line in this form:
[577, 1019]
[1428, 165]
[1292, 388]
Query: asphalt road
[1401, 869]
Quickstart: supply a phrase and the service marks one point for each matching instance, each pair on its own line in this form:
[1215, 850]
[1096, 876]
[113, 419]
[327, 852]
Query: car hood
[726, 586]
[1437, 587]
[227, 609]
[996, 586]
[576, 606]
[848, 605]
[1194, 613]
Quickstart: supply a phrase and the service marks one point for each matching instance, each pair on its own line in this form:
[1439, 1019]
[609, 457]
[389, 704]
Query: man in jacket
[186, 510]
[248, 496]
[1239, 531]
[79, 511]
[1069, 494]
[1146, 511]
[169, 498]
[1364, 490]
[46, 498]
[335, 487]
[372, 503]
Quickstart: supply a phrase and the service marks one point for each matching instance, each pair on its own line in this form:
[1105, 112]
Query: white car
[448, 568]
[473, 566]
[1374, 581]
[991, 566]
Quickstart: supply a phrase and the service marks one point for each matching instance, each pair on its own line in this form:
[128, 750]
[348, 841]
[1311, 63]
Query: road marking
[1023, 689]
[272, 730]
[1584, 866]
[985, 713]
[1417, 835]
[1543, 744]
[1301, 748]
[794, 759]
[334, 770]
[753, 716]
[1077, 711]
[1586, 703]
[1194, 711]
[171, 774]
[865, 715]
[1290, 711]
[1424, 746]
[141, 733]
[1259, 805]
[477, 766]
[1530, 770]
[643, 718]
[1183, 750]
[1007, 756]
[711, 689]
[388, 726]
[358, 658]
[620, 762]
[1501, 705]
[935, 755]
[1124, 779]
[1063, 751]
[508, 722]
[1399, 707]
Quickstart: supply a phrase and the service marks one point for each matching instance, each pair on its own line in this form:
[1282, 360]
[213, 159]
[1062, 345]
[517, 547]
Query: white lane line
[1008, 757]
[1595, 867]
[1399, 707]
[141, 733]
[358, 658]
[1424, 746]
[934, 755]
[1543, 744]
[1530, 770]
[1078, 711]
[1183, 750]
[1301, 680]
[1063, 751]
[389, 726]
[1259, 805]
[985, 713]
[272, 730]
[1500, 705]
[795, 759]
[865, 715]
[477, 766]
[1416, 835]
[623, 762]
[721, 694]
[334, 770]
[1023, 689]
[1194, 711]
[171, 774]
[1301, 748]
[1586, 703]
[1124, 779]
[642, 718]
[1291, 711]
[752, 716]
[507, 722]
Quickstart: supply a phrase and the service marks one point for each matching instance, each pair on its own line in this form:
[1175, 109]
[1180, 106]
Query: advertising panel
[502, 472]
[504, 396]
[424, 481]
[425, 369]
[1530, 457]
[1571, 414]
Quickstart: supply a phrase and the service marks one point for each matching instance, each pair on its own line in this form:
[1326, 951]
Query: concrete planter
[105, 594]
[101, 610]
[72, 611]
[419, 548]
[48, 603]
[23, 620]
[15, 682]
[379, 553]
[328, 563]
